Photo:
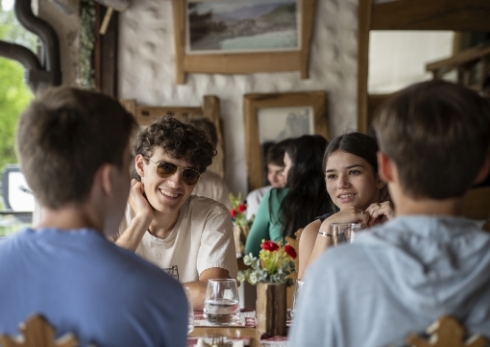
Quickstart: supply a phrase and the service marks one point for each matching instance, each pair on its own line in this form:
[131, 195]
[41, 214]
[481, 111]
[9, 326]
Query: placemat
[194, 341]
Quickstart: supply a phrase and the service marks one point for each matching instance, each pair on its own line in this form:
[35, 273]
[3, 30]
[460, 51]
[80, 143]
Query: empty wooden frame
[210, 109]
[455, 15]
[242, 63]
[315, 102]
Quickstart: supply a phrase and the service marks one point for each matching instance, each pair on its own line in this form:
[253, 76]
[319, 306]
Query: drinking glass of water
[343, 232]
[297, 290]
[190, 320]
[221, 301]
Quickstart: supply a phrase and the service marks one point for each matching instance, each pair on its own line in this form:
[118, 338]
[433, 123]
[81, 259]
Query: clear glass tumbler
[221, 301]
[297, 290]
[343, 232]
[190, 320]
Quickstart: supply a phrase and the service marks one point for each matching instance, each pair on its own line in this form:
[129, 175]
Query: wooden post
[271, 309]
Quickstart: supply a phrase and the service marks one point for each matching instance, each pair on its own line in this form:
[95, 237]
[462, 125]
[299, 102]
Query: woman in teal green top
[283, 211]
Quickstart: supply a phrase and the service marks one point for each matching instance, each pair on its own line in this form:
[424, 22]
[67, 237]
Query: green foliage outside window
[14, 93]
[14, 97]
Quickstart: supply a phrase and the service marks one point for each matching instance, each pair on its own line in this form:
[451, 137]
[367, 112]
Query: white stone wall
[147, 72]
[409, 53]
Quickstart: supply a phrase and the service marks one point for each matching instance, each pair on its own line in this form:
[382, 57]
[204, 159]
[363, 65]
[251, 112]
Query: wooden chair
[477, 203]
[446, 332]
[294, 242]
[37, 332]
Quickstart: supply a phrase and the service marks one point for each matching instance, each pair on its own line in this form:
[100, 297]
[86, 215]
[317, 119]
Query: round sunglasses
[165, 169]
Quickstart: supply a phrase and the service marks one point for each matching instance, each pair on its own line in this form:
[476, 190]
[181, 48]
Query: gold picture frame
[242, 63]
[210, 109]
[316, 101]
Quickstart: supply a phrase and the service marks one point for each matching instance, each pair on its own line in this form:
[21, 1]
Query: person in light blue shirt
[428, 261]
[74, 151]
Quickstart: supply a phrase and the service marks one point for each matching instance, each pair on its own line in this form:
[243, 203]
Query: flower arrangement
[238, 211]
[274, 264]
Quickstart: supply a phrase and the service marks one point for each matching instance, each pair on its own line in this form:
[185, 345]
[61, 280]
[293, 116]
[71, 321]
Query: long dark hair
[307, 196]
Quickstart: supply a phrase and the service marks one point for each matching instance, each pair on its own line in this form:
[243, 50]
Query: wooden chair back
[446, 332]
[477, 203]
[294, 242]
[37, 332]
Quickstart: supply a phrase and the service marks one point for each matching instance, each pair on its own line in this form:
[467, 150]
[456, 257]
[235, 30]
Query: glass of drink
[221, 302]
[190, 320]
[343, 232]
[297, 289]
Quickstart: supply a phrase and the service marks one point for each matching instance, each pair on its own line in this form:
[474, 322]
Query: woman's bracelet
[324, 233]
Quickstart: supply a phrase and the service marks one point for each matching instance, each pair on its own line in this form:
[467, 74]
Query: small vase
[271, 309]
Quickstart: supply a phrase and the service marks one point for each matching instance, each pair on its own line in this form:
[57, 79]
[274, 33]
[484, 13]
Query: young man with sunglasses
[74, 150]
[188, 235]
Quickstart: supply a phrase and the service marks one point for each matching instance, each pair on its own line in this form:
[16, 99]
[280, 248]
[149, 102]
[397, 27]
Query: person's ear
[106, 178]
[139, 165]
[385, 168]
[484, 170]
[379, 182]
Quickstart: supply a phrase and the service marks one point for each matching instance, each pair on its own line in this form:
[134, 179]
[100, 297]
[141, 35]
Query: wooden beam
[454, 15]
[105, 53]
[364, 25]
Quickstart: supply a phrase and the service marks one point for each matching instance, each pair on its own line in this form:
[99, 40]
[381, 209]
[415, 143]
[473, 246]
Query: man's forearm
[131, 237]
[198, 292]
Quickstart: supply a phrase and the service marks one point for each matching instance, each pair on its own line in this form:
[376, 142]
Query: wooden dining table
[236, 332]
[247, 332]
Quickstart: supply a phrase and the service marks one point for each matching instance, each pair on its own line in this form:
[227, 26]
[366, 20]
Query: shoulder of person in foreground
[143, 287]
[316, 320]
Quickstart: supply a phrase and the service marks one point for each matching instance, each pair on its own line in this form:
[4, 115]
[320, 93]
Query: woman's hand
[379, 213]
[347, 215]
[139, 204]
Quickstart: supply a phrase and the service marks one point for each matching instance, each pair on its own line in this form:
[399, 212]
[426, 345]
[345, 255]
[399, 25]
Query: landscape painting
[242, 26]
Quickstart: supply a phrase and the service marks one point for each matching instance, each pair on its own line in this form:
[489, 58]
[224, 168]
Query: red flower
[270, 246]
[290, 251]
[242, 207]
[233, 213]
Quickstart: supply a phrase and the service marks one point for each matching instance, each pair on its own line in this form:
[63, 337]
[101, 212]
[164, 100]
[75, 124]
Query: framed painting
[242, 36]
[270, 118]
[210, 109]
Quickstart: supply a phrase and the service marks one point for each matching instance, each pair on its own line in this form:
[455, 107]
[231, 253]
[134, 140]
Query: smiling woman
[352, 181]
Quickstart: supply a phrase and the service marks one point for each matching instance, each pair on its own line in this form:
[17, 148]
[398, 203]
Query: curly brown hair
[179, 140]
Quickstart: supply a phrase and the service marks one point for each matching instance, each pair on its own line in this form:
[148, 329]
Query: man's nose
[176, 178]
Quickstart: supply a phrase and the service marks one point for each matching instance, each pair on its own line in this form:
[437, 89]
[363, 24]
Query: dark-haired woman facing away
[283, 211]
